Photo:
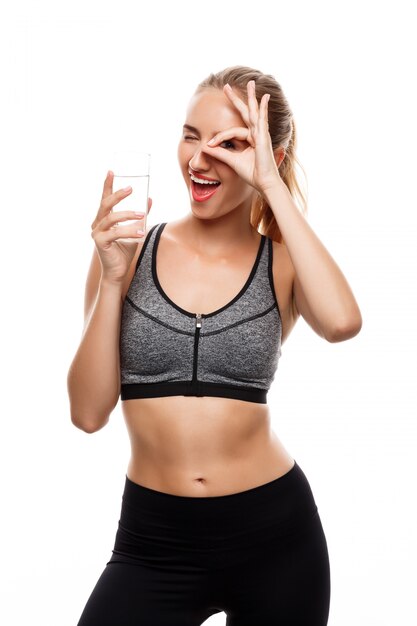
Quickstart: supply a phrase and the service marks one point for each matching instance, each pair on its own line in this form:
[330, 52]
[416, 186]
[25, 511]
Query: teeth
[203, 182]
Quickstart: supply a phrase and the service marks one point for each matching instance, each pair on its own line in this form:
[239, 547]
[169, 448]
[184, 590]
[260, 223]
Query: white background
[80, 80]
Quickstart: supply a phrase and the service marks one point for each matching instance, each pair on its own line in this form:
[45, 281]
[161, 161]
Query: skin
[211, 446]
[207, 446]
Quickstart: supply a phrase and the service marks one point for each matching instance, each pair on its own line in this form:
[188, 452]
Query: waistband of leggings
[285, 497]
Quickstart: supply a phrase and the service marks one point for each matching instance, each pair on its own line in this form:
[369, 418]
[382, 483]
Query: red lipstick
[201, 193]
[203, 177]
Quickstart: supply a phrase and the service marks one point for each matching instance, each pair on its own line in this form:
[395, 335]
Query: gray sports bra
[230, 353]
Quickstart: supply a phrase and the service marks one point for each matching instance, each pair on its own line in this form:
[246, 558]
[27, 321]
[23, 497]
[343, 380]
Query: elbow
[346, 329]
[88, 425]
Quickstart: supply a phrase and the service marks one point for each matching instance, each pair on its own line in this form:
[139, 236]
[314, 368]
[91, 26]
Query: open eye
[231, 144]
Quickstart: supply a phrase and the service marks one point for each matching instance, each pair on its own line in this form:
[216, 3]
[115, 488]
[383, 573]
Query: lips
[201, 177]
[203, 192]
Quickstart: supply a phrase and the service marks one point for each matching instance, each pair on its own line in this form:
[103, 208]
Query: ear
[279, 155]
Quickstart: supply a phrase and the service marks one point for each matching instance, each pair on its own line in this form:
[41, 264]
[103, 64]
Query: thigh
[285, 583]
[133, 595]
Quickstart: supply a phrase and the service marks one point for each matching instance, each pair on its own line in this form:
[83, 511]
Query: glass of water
[132, 168]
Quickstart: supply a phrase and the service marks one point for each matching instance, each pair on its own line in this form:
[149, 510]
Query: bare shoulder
[283, 273]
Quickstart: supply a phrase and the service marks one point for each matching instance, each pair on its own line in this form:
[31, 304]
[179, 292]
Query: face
[209, 112]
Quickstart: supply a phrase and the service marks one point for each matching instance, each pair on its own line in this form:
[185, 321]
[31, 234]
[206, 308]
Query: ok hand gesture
[256, 164]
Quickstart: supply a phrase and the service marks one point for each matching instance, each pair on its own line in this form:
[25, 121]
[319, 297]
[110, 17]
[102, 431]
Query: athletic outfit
[168, 351]
[259, 555]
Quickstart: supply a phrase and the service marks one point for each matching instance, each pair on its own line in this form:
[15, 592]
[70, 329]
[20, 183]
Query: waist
[283, 500]
[202, 447]
[155, 529]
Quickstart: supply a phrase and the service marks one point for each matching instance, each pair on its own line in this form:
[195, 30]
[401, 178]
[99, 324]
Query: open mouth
[203, 191]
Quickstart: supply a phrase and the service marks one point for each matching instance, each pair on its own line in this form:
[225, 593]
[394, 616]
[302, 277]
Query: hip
[154, 525]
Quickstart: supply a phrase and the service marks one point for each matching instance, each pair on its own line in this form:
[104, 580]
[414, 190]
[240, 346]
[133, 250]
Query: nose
[200, 161]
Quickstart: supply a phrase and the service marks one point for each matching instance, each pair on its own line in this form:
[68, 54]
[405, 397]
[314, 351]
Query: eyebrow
[193, 129]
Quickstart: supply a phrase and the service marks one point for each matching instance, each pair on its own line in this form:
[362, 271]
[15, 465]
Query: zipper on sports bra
[198, 323]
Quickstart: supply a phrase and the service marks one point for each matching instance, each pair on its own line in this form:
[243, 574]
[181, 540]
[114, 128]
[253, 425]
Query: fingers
[104, 237]
[252, 113]
[221, 154]
[252, 104]
[109, 199]
[239, 104]
[237, 132]
[111, 220]
[263, 111]
[119, 216]
[108, 185]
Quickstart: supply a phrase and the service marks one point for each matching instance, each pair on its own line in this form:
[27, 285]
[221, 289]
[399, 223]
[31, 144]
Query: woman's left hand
[256, 164]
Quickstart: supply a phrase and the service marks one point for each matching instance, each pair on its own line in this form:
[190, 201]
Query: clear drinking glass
[132, 168]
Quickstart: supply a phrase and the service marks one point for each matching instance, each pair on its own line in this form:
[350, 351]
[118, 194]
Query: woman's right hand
[115, 256]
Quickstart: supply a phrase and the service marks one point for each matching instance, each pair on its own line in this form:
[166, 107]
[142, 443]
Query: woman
[187, 326]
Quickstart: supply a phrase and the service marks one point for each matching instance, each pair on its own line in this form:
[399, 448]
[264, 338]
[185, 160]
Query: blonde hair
[283, 135]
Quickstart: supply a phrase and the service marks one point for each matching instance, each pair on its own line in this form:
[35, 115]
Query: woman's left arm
[320, 289]
[321, 293]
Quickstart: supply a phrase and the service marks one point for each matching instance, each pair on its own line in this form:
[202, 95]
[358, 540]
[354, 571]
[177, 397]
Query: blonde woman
[186, 326]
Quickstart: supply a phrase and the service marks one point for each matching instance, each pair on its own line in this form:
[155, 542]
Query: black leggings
[259, 555]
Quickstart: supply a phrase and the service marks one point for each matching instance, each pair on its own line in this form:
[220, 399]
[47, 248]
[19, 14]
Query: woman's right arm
[94, 376]
[93, 380]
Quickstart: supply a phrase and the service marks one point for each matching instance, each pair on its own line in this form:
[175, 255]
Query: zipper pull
[198, 320]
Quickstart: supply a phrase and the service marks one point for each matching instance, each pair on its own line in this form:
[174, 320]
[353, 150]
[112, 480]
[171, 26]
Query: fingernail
[127, 188]
[140, 232]
[211, 142]
[139, 214]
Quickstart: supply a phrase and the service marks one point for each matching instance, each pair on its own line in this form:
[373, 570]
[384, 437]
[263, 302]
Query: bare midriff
[202, 446]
